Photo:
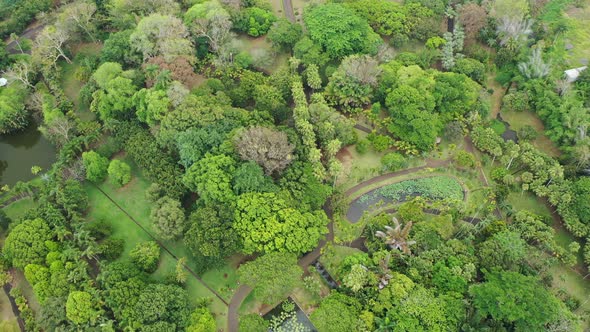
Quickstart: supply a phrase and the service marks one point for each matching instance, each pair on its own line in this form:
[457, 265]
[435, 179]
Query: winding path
[288, 9]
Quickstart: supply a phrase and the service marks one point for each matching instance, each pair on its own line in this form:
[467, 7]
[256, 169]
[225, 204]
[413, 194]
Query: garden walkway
[288, 8]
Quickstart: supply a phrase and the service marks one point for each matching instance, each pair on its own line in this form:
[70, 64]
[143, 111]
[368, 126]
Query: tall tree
[267, 147]
[163, 35]
[168, 218]
[272, 276]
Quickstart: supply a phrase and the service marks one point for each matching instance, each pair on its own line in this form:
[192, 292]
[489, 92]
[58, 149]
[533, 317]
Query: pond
[21, 151]
[431, 188]
[288, 317]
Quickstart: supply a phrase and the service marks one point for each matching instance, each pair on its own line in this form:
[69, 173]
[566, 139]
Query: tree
[201, 320]
[160, 303]
[312, 76]
[106, 73]
[168, 218]
[393, 161]
[473, 17]
[581, 203]
[268, 98]
[254, 21]
[25, 244]
[464, 159]
[119, 172]
[516, 300]
[81, 308]
[163, 35]
[268, 148]
[339, 31]
[210, 20]
[151, 105]
[505, 250]
[49, 45]
[283, 34]
[337, 313]
[272, 276]
[116, 100]
[95, 165]
[13, 115]
[210, 234]
[146, 255]
[118, 49]
[249, 177]
[397, 238]
[21, 71]
[80, 15]
[211, 178]
[253, 323]
[266, 224]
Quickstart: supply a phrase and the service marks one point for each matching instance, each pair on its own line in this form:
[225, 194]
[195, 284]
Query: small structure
[3, 81]
[571, 75]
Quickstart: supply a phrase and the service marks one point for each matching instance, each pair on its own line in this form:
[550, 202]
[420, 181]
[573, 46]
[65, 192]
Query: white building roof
[3, 81]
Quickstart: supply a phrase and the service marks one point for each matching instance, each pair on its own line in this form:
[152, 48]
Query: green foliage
[255, 21]
[515, 300]
[272, 276]
[119, 172]
[81, 308]
[581, 202]
[115, 100]
[516, 101]
[95, 165]
[393, 161]
[201, 320]
[26, 243]
[106, 73]
[464, 159]
[362, 146]
[305, 188]
[253, 323]
[211, 178]
[432, 188]
[250, 177]
[168, 218]
[210, 234]
[336, 313]
[146, 255]
[118, 49]
[380, 143]
[13, 115]
[339, 31]
[267, 224]
[505, 250]
[151, 105]
[471, 68]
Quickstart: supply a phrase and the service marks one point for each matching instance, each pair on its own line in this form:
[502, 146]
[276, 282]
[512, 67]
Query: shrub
[111, 249]
[393, 161]
[362, 146]
[119, 173]
[95, 165]
[516, 101]
[380, 143]
[146, 256]
[527, 133]
[464, 159]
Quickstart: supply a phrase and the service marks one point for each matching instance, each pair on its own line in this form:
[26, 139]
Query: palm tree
[397, 237]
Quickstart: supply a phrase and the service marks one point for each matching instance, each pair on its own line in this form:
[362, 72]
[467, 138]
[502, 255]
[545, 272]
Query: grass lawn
[132, 199]
[71, 84]
[250, 44]
[18, 209]
[573, 283]
[528, 201]
[518, 120]
[578, 34]
[8, 321]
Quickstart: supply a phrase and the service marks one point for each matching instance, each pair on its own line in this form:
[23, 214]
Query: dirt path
[288, 8]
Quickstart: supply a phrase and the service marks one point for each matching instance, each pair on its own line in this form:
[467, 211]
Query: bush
[380, 143]
[111, 249]
[516, 101]
[146, 256]
[362, 146]
[464, 159]
[527, 133]
[96, 166]
[393, 161]
[119, 173]
[108, 148]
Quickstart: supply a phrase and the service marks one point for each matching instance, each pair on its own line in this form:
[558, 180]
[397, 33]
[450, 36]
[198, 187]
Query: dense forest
[296, 165]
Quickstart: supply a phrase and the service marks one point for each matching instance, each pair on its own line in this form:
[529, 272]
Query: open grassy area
[71, 84]
[528, 201]
[132, 199]
[517, 120]
[8, 321]
[251, 45]
[573, 283]
[578, 34]
[18, 209]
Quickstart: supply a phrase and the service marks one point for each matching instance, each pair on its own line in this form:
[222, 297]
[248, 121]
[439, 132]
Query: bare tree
[473, 17]
[212, 21]
[80, 14]
[20, 71]
[364, 69]
[49, 45]
[267, 147]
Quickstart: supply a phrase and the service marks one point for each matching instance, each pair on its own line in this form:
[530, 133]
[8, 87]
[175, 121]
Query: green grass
[578, 34]
[498, 127]
[517, 120]
[529, 202]
[18, 209]
[132, 199]
[573, 283]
